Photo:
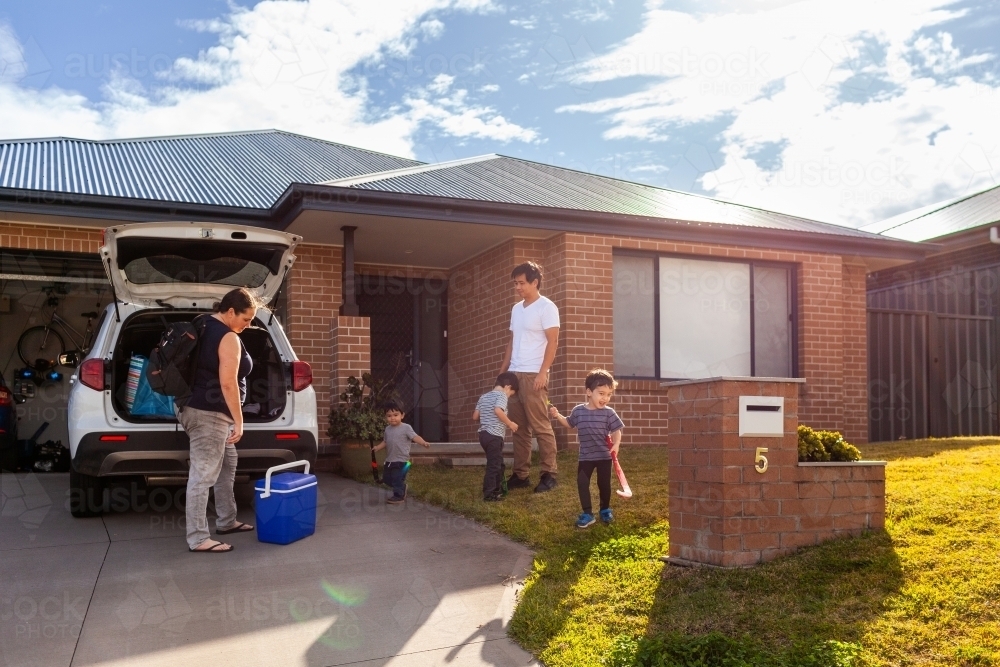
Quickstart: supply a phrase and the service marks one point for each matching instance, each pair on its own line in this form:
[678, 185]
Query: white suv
[164, 272]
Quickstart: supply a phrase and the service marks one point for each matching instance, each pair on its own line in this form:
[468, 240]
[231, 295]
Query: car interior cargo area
[133, 399]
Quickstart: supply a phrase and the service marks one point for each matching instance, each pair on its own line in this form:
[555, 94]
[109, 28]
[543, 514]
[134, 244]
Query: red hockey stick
[625, 491]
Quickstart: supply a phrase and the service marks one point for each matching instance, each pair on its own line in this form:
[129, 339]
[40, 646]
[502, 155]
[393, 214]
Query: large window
[686, 317]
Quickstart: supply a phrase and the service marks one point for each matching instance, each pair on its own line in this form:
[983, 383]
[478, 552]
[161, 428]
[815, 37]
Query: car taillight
[114, 438]
[6, 398]
[92, 373]
[302, 375]
[286, 436]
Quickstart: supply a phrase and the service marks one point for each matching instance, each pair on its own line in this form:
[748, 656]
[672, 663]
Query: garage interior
[35, 284]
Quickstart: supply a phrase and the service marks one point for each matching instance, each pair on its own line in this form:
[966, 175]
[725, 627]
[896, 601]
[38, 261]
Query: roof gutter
[301, 197]
[124, 208]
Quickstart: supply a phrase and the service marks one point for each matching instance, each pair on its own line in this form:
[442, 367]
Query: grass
[924, 592]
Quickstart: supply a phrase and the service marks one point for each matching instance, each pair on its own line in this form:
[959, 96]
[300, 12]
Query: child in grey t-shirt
[396, 443]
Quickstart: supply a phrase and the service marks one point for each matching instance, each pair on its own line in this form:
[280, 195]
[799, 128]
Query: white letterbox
[762, 416]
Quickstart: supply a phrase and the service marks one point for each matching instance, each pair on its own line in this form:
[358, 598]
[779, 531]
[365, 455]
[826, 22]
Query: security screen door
[409, 319]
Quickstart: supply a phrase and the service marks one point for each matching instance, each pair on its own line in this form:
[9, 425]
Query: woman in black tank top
[213, 420]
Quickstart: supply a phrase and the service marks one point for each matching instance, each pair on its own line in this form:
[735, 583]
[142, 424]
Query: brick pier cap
[729, 509]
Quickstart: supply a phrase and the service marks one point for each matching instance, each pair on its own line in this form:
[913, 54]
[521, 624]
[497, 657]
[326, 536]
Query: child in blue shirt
[594, 422]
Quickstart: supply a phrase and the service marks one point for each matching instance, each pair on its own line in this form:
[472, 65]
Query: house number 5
[760, 461]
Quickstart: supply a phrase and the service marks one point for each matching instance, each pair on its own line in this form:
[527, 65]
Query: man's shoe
[515, 482]
[493, 498]
[547, 483]
[585, 521]
[396, 500]
[607, 516]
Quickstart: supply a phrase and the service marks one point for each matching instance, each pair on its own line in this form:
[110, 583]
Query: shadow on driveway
[376, 585]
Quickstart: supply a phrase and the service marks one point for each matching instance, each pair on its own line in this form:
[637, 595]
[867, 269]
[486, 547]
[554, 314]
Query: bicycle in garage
[43, 346]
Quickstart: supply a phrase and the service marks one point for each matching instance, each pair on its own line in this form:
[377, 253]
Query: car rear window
[147, 261]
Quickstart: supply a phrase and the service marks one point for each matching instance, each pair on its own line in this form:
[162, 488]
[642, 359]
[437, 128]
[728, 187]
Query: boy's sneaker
[396, 500]
[547, 483]
[607, 516]
[493, 498]
[585, 521]
[515, 482]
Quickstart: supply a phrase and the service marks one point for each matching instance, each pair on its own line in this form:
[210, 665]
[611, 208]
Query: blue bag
[147, 402]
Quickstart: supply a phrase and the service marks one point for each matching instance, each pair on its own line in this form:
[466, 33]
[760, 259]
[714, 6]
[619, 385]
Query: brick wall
[314, 297]
[855, 353]
[724, 512]
[642, 405]
[581, 286]
[350, 352]
[26, 236]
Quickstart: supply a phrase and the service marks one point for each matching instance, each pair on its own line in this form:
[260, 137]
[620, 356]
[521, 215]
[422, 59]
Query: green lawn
[924, 592]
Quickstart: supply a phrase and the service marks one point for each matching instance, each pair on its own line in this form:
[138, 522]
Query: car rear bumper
[166, 452]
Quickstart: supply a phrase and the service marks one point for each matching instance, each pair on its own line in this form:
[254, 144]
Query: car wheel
[87, 495]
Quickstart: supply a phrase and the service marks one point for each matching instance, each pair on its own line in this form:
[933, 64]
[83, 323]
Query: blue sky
[847, 112]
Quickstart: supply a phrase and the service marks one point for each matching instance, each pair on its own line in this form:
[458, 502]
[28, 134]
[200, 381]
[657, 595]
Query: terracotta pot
[356, 459]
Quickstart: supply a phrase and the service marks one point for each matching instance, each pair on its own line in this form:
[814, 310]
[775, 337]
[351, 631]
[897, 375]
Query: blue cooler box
[286, 505]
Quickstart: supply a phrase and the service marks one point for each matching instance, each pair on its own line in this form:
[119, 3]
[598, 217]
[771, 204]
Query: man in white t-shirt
[534, 328]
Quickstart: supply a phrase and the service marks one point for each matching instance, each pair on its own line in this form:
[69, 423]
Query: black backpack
[173, 362]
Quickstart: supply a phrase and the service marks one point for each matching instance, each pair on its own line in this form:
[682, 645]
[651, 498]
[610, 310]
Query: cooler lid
[287, 481]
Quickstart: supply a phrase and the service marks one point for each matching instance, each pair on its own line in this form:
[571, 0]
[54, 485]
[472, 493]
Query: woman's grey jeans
[213, 463]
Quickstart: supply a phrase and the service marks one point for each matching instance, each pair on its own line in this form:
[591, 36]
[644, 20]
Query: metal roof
[498, 178]
[239, 169]
[943, 218]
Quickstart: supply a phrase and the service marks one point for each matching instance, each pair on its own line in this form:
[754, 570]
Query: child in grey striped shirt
[600, 431]
[491, 412]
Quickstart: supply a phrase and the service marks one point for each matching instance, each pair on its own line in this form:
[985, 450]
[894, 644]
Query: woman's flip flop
[239, 527]
[214, 549]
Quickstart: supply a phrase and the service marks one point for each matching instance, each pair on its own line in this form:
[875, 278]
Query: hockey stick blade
[625, 491]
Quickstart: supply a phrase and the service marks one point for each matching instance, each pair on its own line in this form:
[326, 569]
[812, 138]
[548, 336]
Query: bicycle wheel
[40, 343]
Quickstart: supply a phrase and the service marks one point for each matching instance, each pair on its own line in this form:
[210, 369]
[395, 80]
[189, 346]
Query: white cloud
[441, 83]
[858, 112]
[454, 114]
[432, 28]
[285, 65]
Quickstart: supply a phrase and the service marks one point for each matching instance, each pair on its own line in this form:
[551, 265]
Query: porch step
[463, 461]
[450, 454]
[456, 454]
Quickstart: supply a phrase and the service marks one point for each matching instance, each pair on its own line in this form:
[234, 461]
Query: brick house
[651, 283]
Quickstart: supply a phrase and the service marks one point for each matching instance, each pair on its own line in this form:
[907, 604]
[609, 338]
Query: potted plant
[358, 422]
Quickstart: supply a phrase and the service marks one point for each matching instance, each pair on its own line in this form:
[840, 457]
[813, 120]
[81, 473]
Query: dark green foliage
[825, 446]
[717, 650]
[361, 415]
[810, 446]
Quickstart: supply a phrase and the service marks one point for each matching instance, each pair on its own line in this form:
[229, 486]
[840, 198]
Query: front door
[409, 345]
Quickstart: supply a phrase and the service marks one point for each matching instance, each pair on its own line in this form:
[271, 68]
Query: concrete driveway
[376, 585]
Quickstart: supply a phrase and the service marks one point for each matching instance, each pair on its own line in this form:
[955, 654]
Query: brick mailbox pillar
[737, 500]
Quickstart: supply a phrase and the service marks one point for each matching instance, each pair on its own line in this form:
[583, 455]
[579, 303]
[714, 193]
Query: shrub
[810, 446]
[825, 446]
[361, 413]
